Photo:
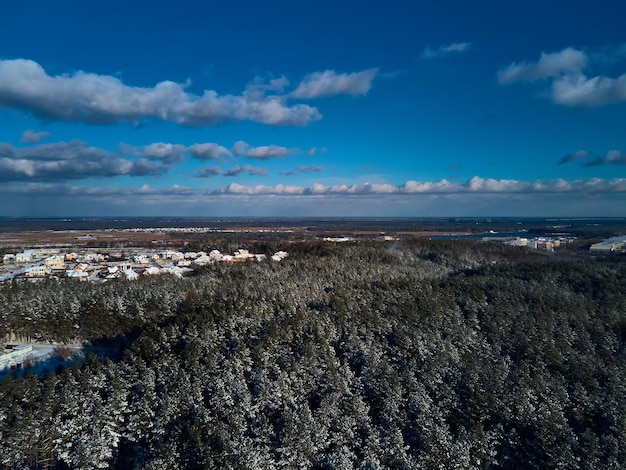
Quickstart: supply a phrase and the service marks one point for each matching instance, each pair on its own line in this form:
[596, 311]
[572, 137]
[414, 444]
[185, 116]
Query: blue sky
[325, 108]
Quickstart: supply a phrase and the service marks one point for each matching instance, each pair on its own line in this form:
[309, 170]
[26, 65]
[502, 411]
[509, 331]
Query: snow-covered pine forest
[361, 355]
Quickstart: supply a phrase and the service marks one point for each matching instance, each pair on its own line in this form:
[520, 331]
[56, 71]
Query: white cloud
[31, 137]
[330, 83]
[73, 150]
[240, 148]
[568, 61]
[251, 170]
[280, 189]
[264, 152]
[69, 161]
[163, 151]
[569, 86]
[303, 169]
[258, 88]
[579, 155]
[490, 185]
[442, 51]
[16, 167]
[612, 157]
[143, 167]
[78, 160]
[171, 153]
[208, 151]
[578, 90]
[208, 171]
[615, 156]
[103, 99]
[442, 186]
[159, 151]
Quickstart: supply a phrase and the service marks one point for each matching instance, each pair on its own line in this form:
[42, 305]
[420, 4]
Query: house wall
[19, 350]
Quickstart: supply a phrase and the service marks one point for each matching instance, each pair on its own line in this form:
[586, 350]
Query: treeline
[415, 355]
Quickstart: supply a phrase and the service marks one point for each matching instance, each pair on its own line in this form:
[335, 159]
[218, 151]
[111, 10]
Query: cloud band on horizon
[475, 185]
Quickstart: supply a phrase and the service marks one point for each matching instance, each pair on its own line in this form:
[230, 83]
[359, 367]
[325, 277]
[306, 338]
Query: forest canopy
[365, 355]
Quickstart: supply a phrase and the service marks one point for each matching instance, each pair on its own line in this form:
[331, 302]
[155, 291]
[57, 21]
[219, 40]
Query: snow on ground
[41, 359]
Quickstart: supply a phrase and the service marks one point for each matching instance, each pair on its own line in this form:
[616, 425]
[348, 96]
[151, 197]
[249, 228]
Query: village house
[43, 252]
[279, 256]
[125, 266]
[98, 267]
[130, 275]
[242, 255]
[173, 255]
[93, 257]
[141, 259]
[25, 257]
[36, 271]
[203, 260]
[215, 255]
[55, 261]
[77, 274]
[176, 271]
[56, 271]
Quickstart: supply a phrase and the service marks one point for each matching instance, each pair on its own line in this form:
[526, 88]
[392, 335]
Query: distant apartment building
[611, 245]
